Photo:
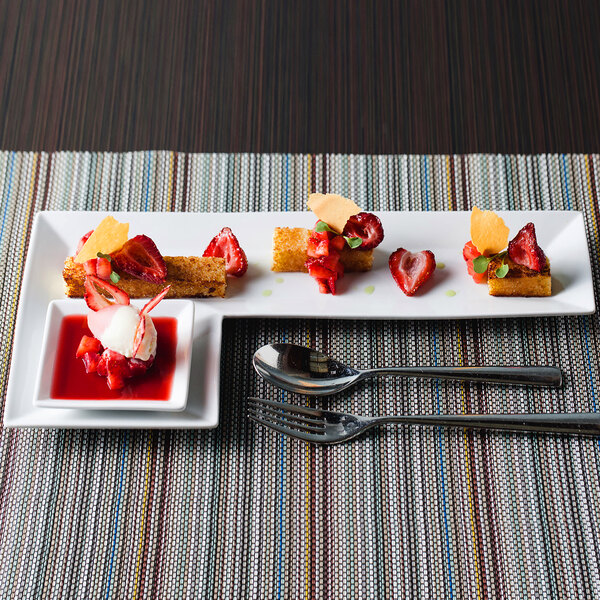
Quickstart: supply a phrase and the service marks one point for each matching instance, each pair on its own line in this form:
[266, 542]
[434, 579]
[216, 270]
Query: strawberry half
[366, 226]
[524, 249]
[411, 270]
[82, 241]
[95, 300]
[225, 245]
[139, 257]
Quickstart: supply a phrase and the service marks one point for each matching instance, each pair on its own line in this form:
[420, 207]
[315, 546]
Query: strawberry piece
[524, 249]
[140, 331]
[139, 257]
[139, 367]
[88, 343]
[115, 367]
[152, 303]
[90, 361]
[225, 245]
[90, 266]
[115, 381]
[338, 242]
[366, 226]
[411, 270]
[103, 268]
[318, 244]
[82, 241]
[470, 253]
[317, 270]
[95, 300]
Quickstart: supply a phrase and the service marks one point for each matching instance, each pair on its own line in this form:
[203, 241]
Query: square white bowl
[181, 310]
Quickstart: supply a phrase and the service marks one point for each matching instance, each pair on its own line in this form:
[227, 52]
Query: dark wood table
[312, 76]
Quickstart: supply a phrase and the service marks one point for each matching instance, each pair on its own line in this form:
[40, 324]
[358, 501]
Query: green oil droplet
[369, 289]
[450, 293]
[267, 292]
[441, 265]
[278, 279]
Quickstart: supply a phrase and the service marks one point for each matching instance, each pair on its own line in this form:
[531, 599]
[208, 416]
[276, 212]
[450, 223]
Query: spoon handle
[543, 376]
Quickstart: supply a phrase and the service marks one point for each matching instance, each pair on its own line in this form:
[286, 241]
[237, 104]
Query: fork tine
[307, 437]
[311, 412]
[284, 420]
[288, 414]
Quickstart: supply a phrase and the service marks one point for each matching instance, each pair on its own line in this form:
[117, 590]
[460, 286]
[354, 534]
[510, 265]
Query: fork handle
[543, 376]
[578, 423]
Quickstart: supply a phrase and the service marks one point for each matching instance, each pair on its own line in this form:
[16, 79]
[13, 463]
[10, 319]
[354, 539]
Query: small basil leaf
[480, 264]
[501, 271]
[353, 242]
[322, 226]
[114, 277]
[102, 255]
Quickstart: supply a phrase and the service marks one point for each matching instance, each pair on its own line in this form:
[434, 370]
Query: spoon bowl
[306, 371]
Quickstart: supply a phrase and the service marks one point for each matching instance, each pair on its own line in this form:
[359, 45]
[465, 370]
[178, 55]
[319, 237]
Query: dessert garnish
[411, 270]
[225, 245]
[123, 341]
[522, 269]
[367, 227]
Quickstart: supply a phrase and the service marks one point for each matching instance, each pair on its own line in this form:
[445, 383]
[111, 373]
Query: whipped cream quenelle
[115, 327]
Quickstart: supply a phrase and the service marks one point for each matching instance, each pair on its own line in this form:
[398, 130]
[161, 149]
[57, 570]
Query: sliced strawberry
[103, 268]
[225, 245]
[366, 226]
[524, 249]
[152, 303]
[82, 241]
[317, 270]
[318, 245]
[411, 270]
[140, 331]
[139, 257]
[90, 266]
[95, 300]
[88, 343]
[90, 361]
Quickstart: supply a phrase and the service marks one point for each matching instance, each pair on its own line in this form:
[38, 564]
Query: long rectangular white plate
[262, 293]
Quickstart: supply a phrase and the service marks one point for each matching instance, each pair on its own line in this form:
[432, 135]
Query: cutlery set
[306, 371]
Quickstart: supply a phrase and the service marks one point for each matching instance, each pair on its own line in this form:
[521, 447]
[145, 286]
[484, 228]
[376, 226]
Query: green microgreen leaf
[114, 277]
[102, 255]
[501, 271]
[322, 226]
[353, 242]
[480, 264]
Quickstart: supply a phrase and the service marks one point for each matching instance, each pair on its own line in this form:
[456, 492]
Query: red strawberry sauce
[71, 382]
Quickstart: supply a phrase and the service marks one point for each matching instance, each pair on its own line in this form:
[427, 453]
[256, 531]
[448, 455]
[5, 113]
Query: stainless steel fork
[328, 427]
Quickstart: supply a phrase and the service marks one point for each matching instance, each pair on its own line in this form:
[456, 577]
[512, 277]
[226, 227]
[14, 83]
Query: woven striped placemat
[242, 512]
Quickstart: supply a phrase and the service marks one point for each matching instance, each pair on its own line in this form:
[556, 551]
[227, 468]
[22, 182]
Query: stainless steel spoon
[306, 371]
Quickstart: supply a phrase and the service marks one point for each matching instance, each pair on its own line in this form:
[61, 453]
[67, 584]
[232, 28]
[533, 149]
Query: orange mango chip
[489, 234]
[108, 237]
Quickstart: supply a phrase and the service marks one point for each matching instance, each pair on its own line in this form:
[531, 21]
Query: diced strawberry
[323, 286]
[317, 246]
[82, 241]
[139, 257]
[139, 367]
[103, 268]
[90, 361]
[88, 343]
[411, 270]
[225, 245]
[115, 381]
[477, 277]
[337, 242]
[90, 266]
[470, 251]
[524, 249]
[317, 270]
[95, 300]
[366, 226]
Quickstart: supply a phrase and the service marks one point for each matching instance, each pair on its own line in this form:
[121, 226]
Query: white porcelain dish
[181, 310]
[450, 294]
